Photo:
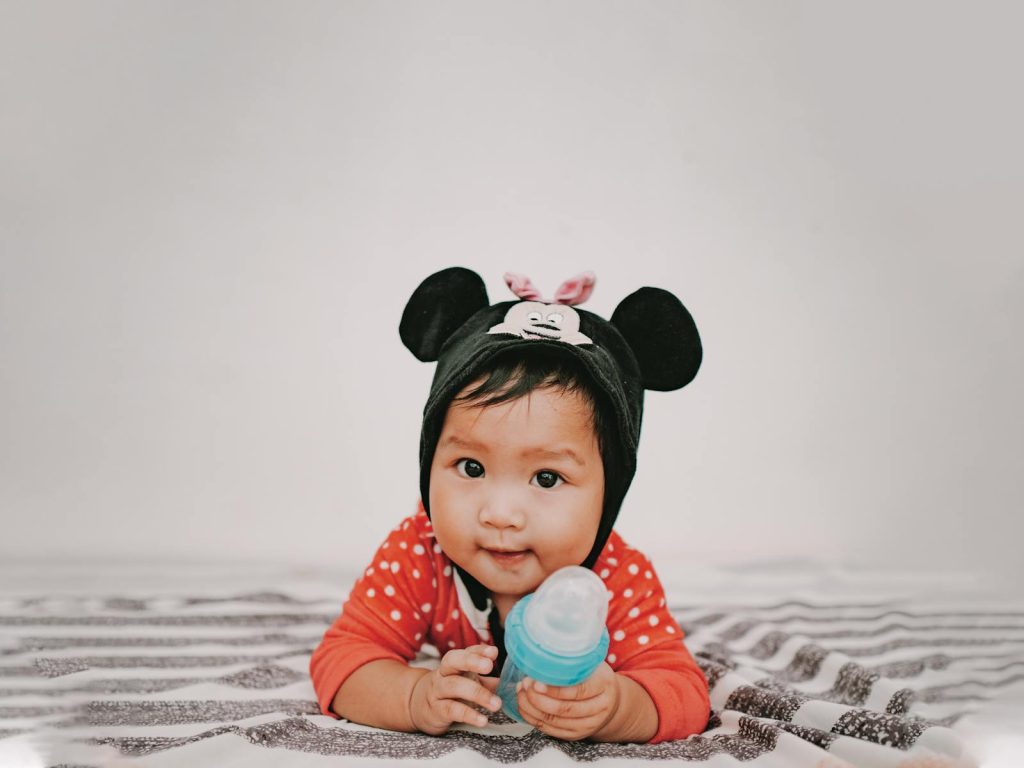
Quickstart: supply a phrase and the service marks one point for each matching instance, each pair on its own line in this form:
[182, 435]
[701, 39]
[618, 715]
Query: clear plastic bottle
[557, 635]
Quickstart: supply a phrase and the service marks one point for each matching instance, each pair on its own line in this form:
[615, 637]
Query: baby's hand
[440, 697]
[571, 712]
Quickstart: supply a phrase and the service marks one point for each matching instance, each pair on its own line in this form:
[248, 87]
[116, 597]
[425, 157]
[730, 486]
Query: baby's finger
[459, 687]
[484, 656]
[542, 721]
[454, 663]
[490, 683]
[490, 651]
[460, 712]
[567, 709]
[559, 727]
[579, 692]
[461, 660]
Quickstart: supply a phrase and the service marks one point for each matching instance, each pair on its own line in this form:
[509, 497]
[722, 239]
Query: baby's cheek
[450, 542]
[569, 549]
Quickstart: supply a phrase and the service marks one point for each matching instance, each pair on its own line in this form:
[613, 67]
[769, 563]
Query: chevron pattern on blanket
[108, 679]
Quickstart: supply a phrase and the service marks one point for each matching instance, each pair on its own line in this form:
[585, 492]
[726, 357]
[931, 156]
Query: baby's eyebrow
[549, 453]
[460, 442]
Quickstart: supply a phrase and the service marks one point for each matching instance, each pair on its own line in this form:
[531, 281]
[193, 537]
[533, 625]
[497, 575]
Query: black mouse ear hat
[651, 342]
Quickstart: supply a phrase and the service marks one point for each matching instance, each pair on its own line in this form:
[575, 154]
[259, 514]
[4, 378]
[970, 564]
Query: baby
[527, 449]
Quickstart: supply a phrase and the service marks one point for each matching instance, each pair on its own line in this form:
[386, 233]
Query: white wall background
[212, 214]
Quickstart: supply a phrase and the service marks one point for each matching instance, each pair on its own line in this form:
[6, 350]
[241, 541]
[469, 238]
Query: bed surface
[810, 665]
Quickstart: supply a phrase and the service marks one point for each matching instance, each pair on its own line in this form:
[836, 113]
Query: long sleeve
[385, 617]
[647, 643]
[678, 689]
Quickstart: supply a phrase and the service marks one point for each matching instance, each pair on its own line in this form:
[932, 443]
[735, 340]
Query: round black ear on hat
[438, 307]
[663, 337]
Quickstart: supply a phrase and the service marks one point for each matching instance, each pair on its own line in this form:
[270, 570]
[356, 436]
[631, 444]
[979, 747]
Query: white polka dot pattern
[639, 608]
[407, 597]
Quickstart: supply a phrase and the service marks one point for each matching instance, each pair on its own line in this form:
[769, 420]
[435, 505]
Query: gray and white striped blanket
[205, 666]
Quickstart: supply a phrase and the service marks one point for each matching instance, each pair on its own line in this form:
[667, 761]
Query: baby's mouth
[505, 557]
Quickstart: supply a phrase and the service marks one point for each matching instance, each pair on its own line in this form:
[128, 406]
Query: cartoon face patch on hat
[536, 320]
[449, 315]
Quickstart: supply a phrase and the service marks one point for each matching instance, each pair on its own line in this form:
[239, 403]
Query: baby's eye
[548, 479]
[469, 468]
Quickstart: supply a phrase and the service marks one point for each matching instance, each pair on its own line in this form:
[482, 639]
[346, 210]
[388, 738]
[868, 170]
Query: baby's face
[516, 489]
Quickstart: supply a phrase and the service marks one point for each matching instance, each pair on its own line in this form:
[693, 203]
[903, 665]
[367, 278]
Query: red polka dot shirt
[411, 595]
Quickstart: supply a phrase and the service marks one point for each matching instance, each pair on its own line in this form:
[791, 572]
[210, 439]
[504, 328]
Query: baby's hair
[517, 373]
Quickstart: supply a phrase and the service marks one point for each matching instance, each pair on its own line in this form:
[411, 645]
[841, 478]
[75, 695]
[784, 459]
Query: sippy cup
[556, 635]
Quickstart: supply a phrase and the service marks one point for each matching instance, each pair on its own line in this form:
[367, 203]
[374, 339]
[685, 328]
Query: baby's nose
[502, 512]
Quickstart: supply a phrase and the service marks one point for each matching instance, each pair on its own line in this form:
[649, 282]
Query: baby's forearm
[635, 719]
[378, 693]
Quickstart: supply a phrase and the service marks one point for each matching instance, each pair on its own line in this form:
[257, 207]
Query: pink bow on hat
[575, 290]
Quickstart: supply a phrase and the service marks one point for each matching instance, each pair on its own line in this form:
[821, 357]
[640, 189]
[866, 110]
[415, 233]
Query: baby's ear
[441, 304]
[663, 337]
